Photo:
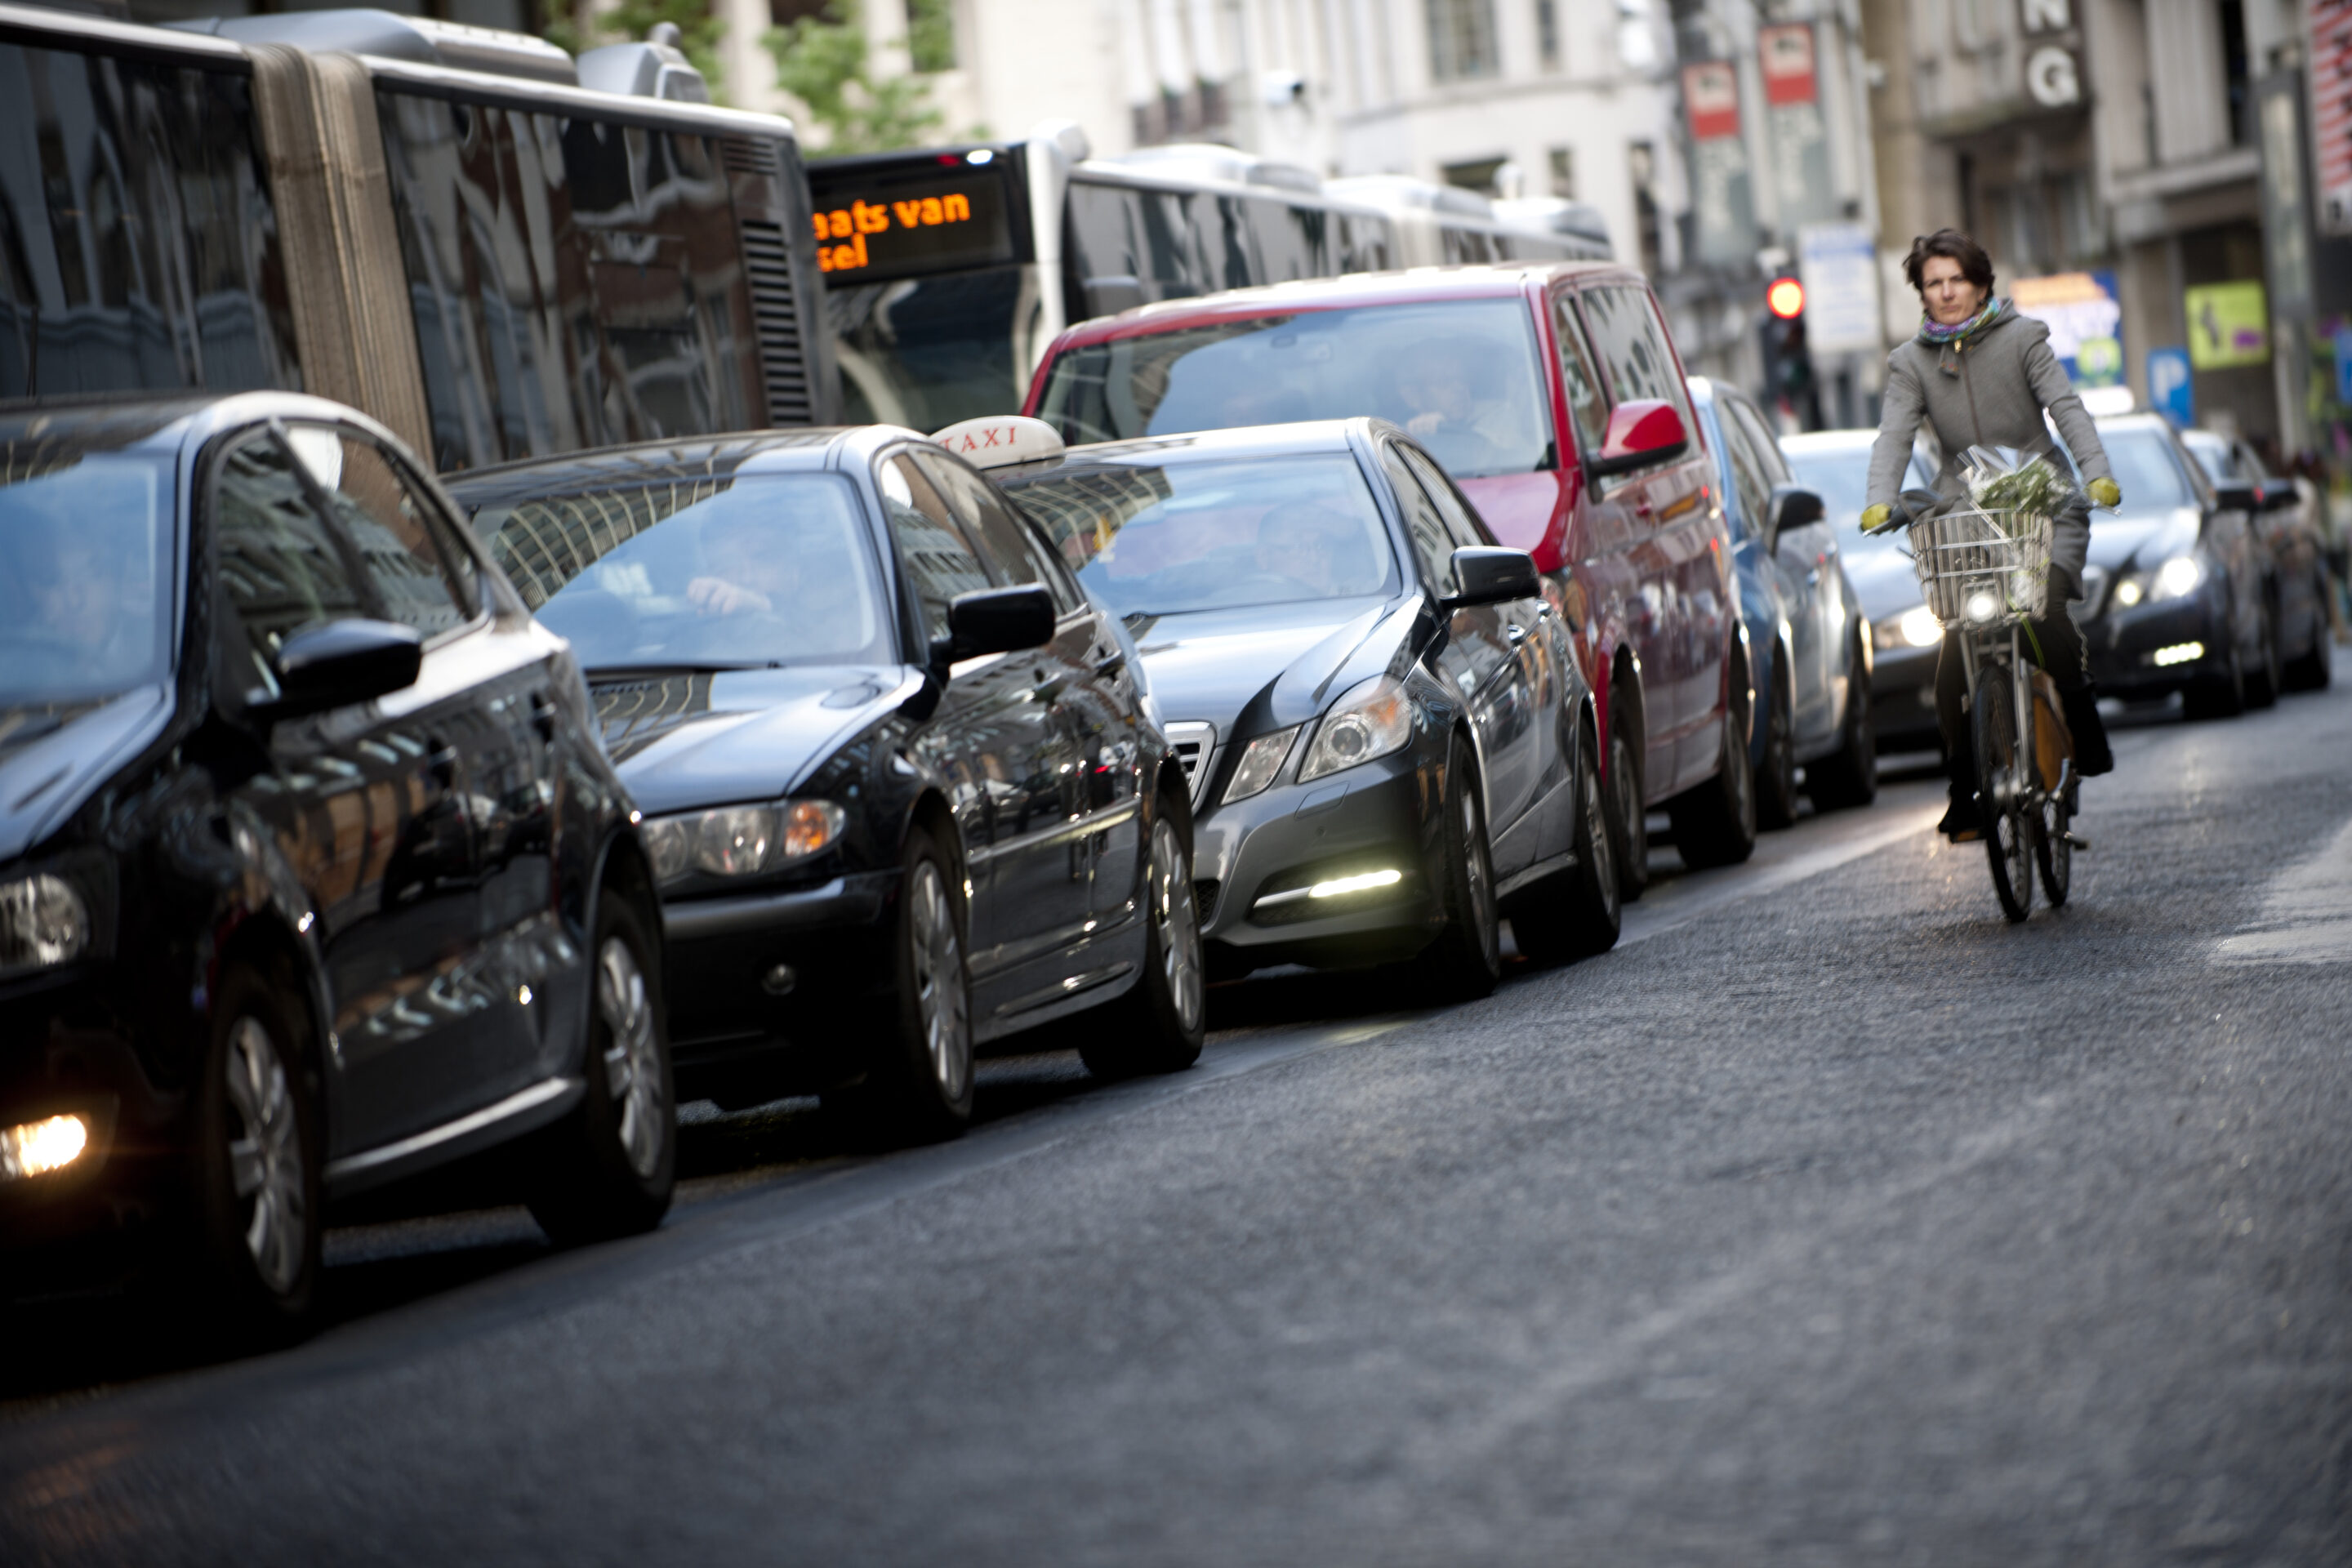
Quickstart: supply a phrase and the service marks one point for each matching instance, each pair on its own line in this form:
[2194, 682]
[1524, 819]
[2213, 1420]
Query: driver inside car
[1436, 387]
[753, 570]
[1311, 546]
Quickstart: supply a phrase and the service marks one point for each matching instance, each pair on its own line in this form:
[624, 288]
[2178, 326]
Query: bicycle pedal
[2077, 841]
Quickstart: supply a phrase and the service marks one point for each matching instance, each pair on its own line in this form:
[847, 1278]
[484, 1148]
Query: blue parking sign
[2344, 364]
[2170, 391]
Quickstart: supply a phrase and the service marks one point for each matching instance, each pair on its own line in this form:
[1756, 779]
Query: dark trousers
[2055, 644]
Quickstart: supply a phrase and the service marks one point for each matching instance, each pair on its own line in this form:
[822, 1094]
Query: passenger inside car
[1436, 401]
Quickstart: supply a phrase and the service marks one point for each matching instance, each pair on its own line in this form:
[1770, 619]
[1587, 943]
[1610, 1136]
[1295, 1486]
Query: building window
[1642, 163]
[1547, 33]
[1461, 38]
[1481, 175]
[1563, 173]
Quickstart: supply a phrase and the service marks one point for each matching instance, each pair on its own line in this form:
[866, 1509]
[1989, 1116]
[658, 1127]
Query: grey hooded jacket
[1988, 390]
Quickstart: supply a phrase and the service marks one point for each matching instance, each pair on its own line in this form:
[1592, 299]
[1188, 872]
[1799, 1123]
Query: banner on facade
[1838, 265]
[1723, 207]
[2053, 53]
[1795, 132]
[2084, 316]
[2331, 112]
[2229, 324]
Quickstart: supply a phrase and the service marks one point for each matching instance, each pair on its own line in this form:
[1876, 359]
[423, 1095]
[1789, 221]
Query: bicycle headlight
[43, 923]
[1370, 720]
[741, 841]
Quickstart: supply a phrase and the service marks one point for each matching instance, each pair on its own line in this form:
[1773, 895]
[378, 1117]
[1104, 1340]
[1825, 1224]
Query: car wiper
[609, 672]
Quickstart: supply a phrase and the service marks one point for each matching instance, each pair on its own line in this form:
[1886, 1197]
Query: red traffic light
[1785, 299]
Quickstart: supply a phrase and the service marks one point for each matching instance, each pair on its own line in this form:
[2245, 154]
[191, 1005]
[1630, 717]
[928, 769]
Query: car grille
[1204, 898]
[1195, 745]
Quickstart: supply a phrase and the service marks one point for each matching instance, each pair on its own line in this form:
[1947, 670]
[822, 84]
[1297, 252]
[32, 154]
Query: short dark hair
[1975, 265]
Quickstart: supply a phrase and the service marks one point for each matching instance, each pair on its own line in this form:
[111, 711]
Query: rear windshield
[85, 544]
[1462, 375]
[1161, 538]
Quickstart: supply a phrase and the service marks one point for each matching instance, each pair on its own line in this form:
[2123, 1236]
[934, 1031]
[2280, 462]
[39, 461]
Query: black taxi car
[313, 874]
[903, 790]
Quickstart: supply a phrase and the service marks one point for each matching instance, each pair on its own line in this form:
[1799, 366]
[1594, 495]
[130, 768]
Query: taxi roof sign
[1001, 440]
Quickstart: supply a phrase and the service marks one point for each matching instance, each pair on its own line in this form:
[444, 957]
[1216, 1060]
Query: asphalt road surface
[1830, 1219]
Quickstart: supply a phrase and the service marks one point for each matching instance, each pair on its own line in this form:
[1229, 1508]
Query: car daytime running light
[1915, 627]
[2178, 653]
[741, 841]
[36, 1148]
[1370, 720]
[43, 923]
[1261, 759]
[1340, 887]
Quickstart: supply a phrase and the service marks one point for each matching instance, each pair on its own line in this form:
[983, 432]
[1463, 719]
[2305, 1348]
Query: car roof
[1828, 441]
[1245, 441]
[651, 462]
[1412, 286]
[120, 420]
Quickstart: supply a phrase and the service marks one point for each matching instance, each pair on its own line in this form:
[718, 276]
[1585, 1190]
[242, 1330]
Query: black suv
[312, 872]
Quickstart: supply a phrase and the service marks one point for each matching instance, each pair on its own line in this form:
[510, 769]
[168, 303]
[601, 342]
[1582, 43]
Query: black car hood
[1210, 664]
[710, 738]
[53, 756]
[2137, 541]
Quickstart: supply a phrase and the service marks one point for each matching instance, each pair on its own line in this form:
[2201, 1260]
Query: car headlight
[741, 841]
[1371, 720]
[43, 923]
[1915, 627]
[2177, 578]
[1261, 759]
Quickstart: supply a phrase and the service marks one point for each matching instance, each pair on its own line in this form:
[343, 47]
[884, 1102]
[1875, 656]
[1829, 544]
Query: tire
[1576, 914]
[1629, 809]
[2217, 696]
[608, 1169]
[1848, 775]
[1775, 779]
[260, 1187]
[917, 1089]
[2310, 670]
[2263, 681]
[1715, 822]
[1466, 960]
[1158, 1025]
[2008, 831]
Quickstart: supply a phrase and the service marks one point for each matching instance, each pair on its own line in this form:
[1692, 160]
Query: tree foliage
[700, 32]
[824, 61]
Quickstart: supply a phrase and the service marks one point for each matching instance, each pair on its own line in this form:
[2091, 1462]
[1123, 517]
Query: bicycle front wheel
[2053, 839]
[2004, 784]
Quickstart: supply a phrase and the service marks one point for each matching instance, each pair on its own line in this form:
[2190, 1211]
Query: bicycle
[1985, 573]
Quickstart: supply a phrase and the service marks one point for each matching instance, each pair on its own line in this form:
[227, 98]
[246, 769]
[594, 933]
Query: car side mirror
[1793, 506]
[997, 620]
[1490, 575]
[2280, 495]
[2237, 497]
[1644, 431]
[342, 662]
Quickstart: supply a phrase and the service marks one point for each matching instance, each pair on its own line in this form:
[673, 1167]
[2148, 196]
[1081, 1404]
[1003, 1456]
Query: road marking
[2306, 916]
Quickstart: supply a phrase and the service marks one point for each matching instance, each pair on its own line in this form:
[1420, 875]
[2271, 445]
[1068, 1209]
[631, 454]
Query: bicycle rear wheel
[2003, 783]
[2053, 844]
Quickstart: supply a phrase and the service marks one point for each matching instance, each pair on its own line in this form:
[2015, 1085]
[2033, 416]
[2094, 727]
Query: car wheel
[1776, 776]
[1848, 775]
[608, 1169]
[2311, 671]
[259, 1170]
[2220, 696]
[2263, 681]
[1466, 959]
[1576, 914]
[1715, 822]
[919, 1086]
[1628, 810]
[1157, 1027]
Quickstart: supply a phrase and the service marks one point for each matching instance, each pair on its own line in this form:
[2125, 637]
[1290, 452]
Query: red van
[1554, 396]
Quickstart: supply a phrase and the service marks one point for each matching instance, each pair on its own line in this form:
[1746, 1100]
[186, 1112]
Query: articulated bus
[1444, 225]
[499, 252]
[948, 270]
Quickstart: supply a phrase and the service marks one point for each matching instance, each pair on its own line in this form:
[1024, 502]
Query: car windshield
[1160, 537]
[85, 547]
[2145, 469]
[763, 571]
[1462, 375]
[2222, 462]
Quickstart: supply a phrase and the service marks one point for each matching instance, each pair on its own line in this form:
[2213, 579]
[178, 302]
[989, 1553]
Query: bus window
[1143, 239]
[576, 282]
[1291, 241]
[138, 239]
[1364, 243]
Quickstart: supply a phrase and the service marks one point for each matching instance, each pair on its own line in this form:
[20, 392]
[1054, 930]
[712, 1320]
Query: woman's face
[1950, 297]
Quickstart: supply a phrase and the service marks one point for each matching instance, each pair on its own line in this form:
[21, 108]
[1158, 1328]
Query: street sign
[1838, 264]
[1722, 204]
[2344, 365]
[1798, 139]
[2330, 63]
[2053, 53]
[2171, 391]
[2229, 324]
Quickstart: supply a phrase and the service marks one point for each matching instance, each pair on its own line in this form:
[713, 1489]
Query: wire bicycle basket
[1983, 566]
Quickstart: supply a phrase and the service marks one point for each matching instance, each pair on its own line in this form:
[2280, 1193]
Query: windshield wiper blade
[595, 672]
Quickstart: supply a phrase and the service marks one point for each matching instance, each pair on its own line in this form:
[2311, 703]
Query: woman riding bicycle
[1983, 375]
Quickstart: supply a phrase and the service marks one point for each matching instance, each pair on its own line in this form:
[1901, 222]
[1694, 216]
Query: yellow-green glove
[1874, 518]
[2107, 492]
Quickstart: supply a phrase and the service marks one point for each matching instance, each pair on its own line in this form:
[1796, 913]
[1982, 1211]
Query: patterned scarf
[1937, 336]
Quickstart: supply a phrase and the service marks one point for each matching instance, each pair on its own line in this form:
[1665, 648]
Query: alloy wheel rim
[1743, 780]
[632, 1055]
[1480, 877]
[1629, 802]
[939, 989]
[1179, 918]
[265, 1158]
[1596, 834]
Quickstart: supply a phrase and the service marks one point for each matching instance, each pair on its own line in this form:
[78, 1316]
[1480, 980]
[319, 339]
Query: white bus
[948, 270]
[1444, 225]
[437, 224]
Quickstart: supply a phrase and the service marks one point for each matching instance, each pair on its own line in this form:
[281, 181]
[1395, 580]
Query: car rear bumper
[1258, 863]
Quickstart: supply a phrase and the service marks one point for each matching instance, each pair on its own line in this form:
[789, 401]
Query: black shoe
[1961, 823]
[2092, 755]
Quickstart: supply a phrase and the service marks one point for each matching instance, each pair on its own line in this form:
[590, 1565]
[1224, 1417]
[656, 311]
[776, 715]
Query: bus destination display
[877, 224]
